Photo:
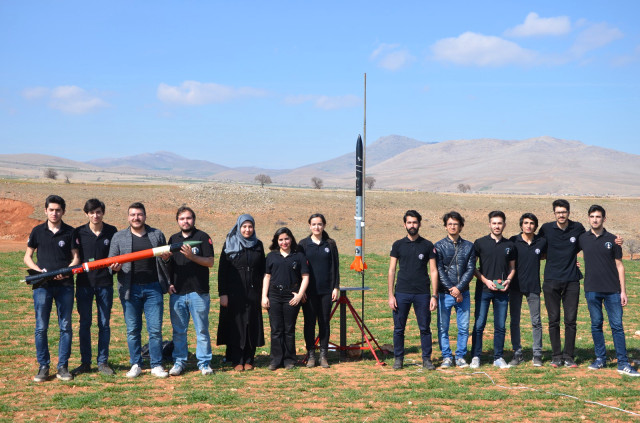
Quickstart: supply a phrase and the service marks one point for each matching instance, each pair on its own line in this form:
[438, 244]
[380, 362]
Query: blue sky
[280, 84]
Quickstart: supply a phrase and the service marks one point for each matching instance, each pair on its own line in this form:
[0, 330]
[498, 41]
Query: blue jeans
[423, 316]
[463, 310]
[84, 304]
[42, 303]
[145, 298]
[614, 313]
[500, 306]
[181, 307]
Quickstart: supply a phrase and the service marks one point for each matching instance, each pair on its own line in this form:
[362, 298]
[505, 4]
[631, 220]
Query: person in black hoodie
[324, 287]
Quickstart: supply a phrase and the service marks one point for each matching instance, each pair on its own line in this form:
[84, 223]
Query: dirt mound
[15, 224]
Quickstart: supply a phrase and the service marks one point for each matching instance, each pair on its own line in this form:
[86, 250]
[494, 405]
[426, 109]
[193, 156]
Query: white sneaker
[461, 363]
[158, 371]
[206, 370]
[475, 362]
[501, 363]
[134, 372]
[176, 370]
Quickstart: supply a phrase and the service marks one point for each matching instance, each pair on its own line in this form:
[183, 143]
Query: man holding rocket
[141, 285]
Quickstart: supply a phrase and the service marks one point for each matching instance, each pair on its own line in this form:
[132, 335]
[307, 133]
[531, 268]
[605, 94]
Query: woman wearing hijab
[285, 281]
[324, 287]
[240, 274]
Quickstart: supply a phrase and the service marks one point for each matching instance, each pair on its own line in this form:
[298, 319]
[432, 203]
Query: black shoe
[272, 367]
[311, 358]
[43, 374]
[289, 366]
[517, 359]
[83, 368]
[555, 363]
[427, 364]
[105, 369]
[63, 374]
[570, 363]
[398, 363]
[324, 363]
[537, 361]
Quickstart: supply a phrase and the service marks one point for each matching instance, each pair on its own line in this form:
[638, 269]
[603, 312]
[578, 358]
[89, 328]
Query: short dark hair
[183, 209]
[561, 203]
[497, 213]
[55, 199]
[137, 205]
[595, 208]
[455, 216]
[412, 213]
[92, 204]
[529, 216]
[284, 230]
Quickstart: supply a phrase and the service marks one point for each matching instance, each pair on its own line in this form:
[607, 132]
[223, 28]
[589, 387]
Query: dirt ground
[218, 205]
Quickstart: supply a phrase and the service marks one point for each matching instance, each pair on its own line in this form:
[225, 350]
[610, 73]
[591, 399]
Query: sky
[280, 84]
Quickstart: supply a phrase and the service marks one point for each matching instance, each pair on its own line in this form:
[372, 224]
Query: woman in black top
[285, 282]
[324, 287]
[240, 274]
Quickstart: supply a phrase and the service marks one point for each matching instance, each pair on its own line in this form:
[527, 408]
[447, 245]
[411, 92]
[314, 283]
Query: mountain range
[541, 165]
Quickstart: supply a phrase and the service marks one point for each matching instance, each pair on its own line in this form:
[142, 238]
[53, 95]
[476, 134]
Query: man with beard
[417, 258]
[497, 259]
[189, 291]
[92, 242]
[141, 285]
[604, 282]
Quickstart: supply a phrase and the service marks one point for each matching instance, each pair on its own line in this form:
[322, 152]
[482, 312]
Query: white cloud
[324, 102]
[194, 93]
[534, 26]
[475, 49]
[594, 37]
[68, 99]
[392, 57]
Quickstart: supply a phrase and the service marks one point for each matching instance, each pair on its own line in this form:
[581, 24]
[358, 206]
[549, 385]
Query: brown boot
[323, 359]
[311, 358]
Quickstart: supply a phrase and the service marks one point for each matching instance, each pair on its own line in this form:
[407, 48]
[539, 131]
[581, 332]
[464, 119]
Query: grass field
[349, 391]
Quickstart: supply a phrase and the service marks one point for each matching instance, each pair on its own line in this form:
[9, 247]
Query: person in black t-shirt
[52, 241]
[417, 258]
[604, 282]
[324, 287]
[531, 248]
[240, 275]
[91, 242]
[285, 282]
[497, 258]
[189, 289]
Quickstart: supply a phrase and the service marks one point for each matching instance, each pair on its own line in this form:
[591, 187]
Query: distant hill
[541, 165]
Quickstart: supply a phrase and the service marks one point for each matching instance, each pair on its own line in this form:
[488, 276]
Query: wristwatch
[435, 296]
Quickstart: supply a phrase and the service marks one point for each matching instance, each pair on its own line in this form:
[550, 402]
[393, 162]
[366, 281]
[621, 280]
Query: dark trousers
[423, 316]
[84, 303]
[282, 318]
[317, 308]
[567, 294]
[238, 355]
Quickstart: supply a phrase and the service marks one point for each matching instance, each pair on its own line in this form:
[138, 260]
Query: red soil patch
[15, 224]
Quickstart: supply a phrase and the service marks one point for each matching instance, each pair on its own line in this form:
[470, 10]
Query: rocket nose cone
[192, 243]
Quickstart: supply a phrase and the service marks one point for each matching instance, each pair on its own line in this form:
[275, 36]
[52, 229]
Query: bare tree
[263, 179]
[464, 188]
[317, 182]
[369, 181]
[66, 178]
[51, 173]
[633, 245]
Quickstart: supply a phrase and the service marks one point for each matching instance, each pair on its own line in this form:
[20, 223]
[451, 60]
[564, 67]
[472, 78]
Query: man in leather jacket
[456, 259]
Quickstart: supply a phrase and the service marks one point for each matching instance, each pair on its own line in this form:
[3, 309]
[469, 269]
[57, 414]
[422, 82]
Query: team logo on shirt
[537, 251]
[420, 256]
[61, 243]
[195, 250]
[608, 245]
[507, 251]
[210, 242]
[77, 241]
[326, 250]
[106, 242]
[572, 239]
